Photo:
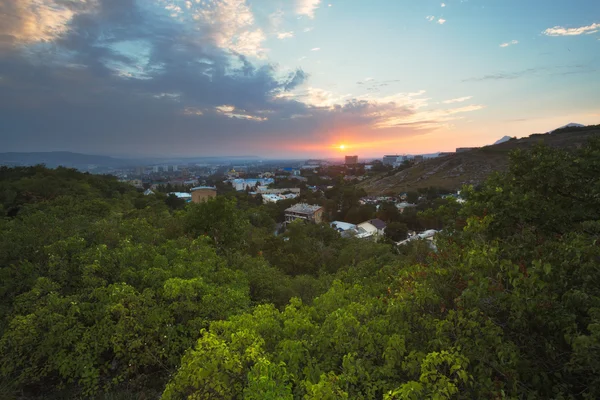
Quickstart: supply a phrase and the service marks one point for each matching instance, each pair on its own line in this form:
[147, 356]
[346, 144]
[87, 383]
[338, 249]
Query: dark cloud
[121, 77]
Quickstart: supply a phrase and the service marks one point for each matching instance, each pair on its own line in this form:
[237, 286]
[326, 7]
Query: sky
[292, 78]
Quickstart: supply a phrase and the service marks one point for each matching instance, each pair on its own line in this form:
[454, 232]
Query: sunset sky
[293, 78]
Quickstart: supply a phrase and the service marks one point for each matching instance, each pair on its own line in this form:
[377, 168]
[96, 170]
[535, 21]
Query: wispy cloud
[512, 42]
[561, 31]
[555, 70]
[443, 4]
[441, 21]
[457, 100]
[285, 35]
[307, 7]
[430, 18]
[315, 49]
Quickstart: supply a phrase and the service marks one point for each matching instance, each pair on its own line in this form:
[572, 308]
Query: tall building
[391, 159]
[175, 168]
[351, 160]
[155, 168]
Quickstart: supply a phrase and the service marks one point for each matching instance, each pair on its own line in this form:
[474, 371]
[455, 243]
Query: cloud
[305, 30]
[129, 77]
[231, 25]
[285, 35]
[315, 49]
[443, 4]
[457, 100]
[31, 21]
[307, 7]
[441, 21]
[512, 42]
[537, 71]
[430, 18]
[561, 31]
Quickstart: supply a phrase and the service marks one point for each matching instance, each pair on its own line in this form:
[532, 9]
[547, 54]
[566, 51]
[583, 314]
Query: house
[265, 190]
[274, 198]
[181, 195]
[372, 228]
[242, 184]
[201, 194]
[148, 192]
[345, 229]
[426, 235]
[307, 212]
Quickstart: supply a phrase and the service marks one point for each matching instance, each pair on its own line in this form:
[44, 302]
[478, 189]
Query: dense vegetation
[107, 293]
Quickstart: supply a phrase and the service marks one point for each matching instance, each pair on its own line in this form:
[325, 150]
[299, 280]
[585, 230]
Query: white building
[274, 198]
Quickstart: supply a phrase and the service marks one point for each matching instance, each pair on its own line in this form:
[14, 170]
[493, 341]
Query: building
[345, 229]
[351, 160]
[265, 190]
[202, 193]
[148, 192]
[463, 149]
[242, 184]
[418, 159]
[373, 227]
[307, 212]
[391, 159]
[181, 195]
[274, 198]
[155, 169]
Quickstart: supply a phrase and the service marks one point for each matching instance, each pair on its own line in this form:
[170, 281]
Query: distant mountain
[571, 125]
[504, 139]
[471, 167]
[54, 159]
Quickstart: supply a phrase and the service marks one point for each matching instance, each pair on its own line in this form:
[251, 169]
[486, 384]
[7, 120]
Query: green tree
[396, 231]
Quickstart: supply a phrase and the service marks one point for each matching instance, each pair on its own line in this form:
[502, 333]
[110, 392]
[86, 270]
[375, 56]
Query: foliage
[102, 290]
[396, 231]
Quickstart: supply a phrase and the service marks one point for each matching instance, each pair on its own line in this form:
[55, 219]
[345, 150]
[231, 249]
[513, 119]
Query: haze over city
[303, 78]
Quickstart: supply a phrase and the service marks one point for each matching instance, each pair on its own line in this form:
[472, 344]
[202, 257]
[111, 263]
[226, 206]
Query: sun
[342, 146]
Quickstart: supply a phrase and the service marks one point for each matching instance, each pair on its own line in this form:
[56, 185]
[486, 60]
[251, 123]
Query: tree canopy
[103, 293]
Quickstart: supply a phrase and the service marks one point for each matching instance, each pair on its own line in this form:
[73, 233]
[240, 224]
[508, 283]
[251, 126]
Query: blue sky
[292, 78]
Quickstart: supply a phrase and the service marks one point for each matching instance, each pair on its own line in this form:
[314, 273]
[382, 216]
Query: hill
[503, 139]
[472, 167]
[54, 159]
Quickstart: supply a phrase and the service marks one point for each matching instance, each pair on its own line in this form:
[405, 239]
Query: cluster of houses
[400, 205]
[197, 194]
[372, 229]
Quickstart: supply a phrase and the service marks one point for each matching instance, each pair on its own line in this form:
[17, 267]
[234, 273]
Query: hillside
[54, 159]
[472, 167]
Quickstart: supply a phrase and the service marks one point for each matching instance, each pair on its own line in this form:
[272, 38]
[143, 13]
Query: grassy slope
[472, 167]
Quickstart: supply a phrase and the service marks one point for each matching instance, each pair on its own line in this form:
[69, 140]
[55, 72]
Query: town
[313, 191]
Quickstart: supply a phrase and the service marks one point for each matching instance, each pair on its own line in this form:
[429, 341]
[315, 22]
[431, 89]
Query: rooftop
[377, 223]
[303, 208]
[203, 188]
[342, 226]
